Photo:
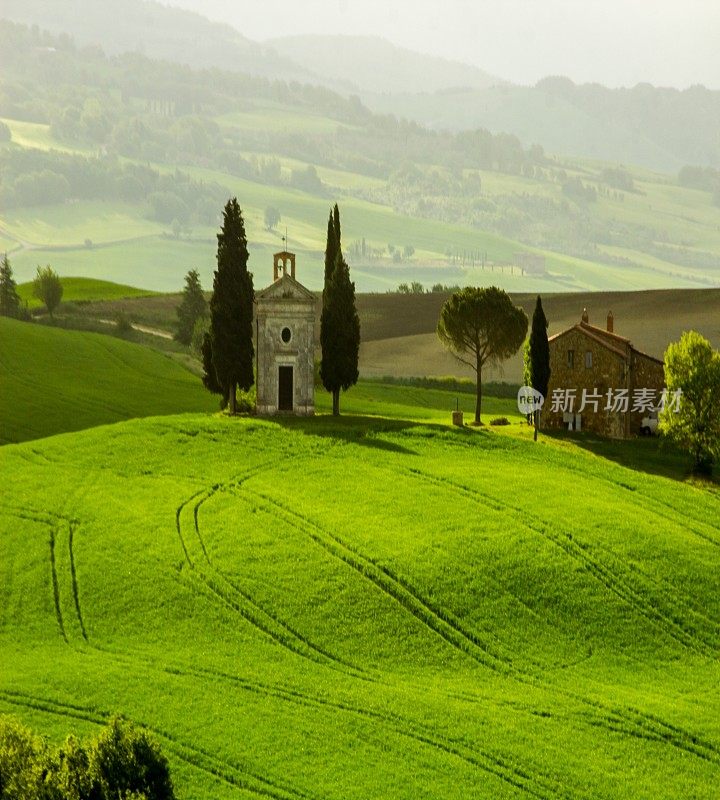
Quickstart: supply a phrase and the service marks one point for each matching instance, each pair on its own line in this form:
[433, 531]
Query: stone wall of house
[272, 316]
[608, 371]
[646, 373]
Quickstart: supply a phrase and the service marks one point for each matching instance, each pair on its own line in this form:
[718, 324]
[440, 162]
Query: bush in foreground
[121, 762]
[693, 368]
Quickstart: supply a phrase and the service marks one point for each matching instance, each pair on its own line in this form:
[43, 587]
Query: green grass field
[273, 116]
[54, 380]
[85, 290]
[68, 226]
[37, 135]
[128, 248]
[365, 608]
[374, 606]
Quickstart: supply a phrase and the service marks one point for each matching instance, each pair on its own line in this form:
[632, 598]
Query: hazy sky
[615, 42]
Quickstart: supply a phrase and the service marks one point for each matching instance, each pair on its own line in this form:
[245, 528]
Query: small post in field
[457, 415]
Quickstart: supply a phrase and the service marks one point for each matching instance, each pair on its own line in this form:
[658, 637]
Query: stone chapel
[285, 343]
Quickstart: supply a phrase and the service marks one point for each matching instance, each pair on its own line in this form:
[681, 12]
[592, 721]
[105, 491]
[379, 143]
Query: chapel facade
[285, 343]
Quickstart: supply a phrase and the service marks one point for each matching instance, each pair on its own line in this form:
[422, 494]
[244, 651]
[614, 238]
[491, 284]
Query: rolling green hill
[366, 608]
[54, 380]
[85, 290]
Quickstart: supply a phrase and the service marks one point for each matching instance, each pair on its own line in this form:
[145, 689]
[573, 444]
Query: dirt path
[140, 328]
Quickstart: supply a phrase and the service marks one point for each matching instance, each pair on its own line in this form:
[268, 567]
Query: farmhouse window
[588, 359]
[571, 358]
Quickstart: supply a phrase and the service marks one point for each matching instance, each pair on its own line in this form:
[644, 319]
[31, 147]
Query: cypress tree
[210, 381]
[231, 309]
[331, 248]
[539, 360]
[9, 298]
[336, 221]
[340, 333]
[192, 307]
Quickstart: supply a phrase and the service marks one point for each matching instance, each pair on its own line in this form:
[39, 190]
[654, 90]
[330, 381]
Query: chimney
[585, 317]
[610, 320]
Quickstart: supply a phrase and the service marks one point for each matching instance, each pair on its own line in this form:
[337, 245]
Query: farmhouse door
[285, 389]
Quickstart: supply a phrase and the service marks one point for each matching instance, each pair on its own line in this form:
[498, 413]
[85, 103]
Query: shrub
[48, 288]
[500, 421]
[121, 762]
[125, 761]
[20, 753]
[692, 367]
[123, 323]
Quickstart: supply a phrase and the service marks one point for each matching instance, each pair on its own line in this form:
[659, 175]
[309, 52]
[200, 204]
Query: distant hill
[372, 64]
[658, 128]
[155, 30]
[53, 381]
[418, 204]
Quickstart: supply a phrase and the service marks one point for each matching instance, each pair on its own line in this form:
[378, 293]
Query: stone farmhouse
[285, 343]
[600, 382]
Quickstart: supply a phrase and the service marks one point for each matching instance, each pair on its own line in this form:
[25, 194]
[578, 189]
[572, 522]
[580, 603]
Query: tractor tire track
[56, 586]
[229, 773]
[436, 620]
[281, 623]
[637, 723]
[533, 783]
[630, 721]
[54, 522]
[240, 601]
[650, 504]
[611, 580]
[73, 573]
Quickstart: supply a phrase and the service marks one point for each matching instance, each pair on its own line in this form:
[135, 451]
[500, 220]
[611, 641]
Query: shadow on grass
[365, 431]
[653, 454]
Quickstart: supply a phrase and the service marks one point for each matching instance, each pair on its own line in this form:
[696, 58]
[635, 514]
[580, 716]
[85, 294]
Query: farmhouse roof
[620, 345]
